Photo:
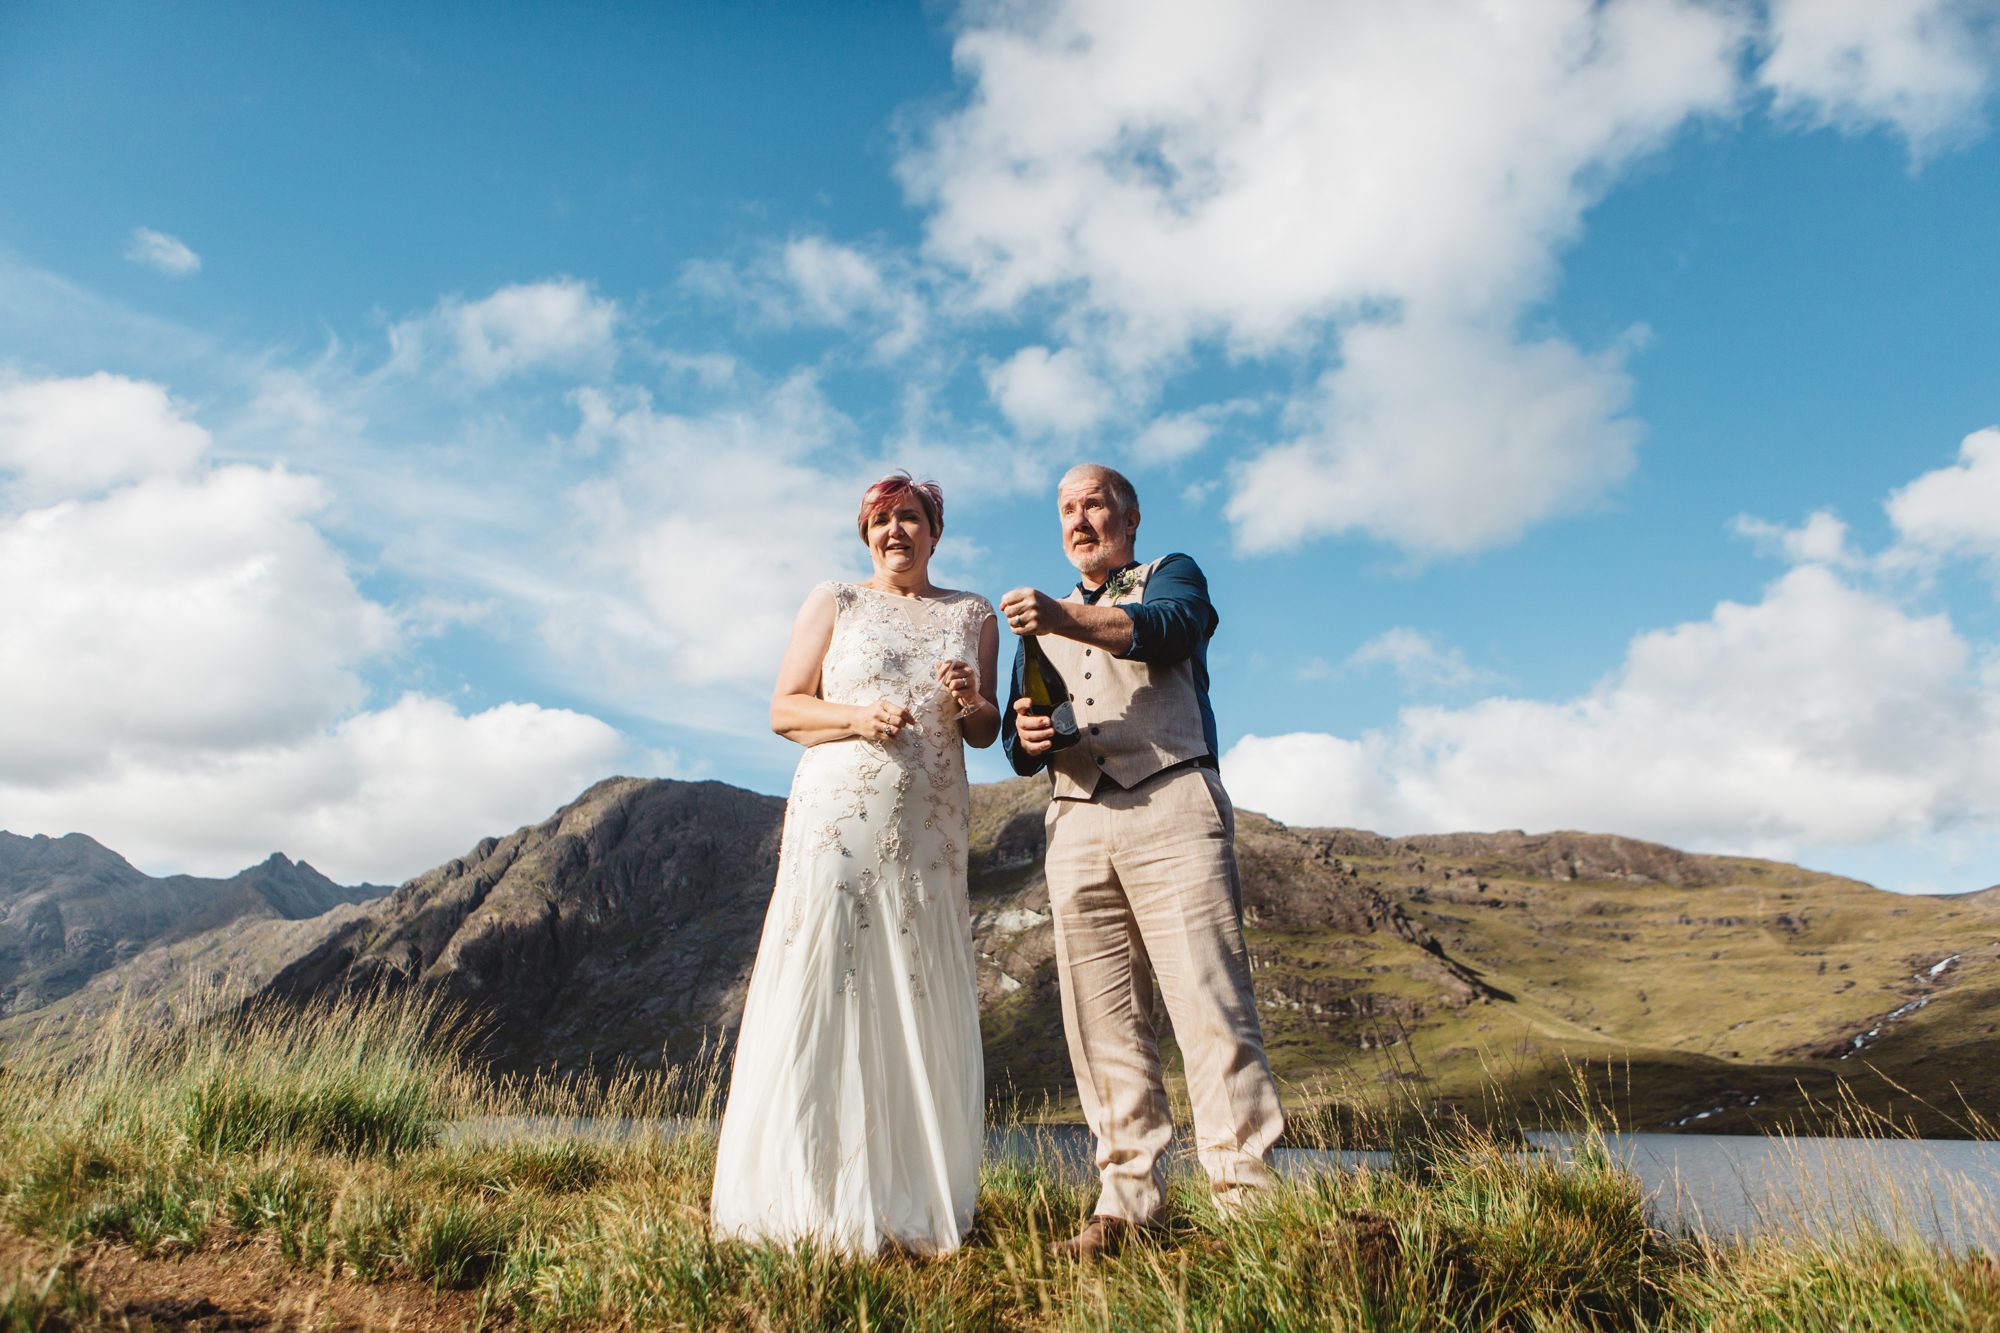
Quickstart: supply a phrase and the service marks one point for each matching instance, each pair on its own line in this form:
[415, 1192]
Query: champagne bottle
[1048, 695]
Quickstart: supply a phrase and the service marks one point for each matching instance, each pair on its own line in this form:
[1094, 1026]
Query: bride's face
[900, 540]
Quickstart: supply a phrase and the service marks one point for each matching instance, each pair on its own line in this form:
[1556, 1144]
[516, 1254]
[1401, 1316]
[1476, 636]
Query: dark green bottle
[1048, 695]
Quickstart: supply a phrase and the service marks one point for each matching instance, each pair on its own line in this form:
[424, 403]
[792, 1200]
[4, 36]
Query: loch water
[1943, 1192]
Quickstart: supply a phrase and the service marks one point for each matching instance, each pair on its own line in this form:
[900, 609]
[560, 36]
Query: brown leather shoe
[1100, 1238]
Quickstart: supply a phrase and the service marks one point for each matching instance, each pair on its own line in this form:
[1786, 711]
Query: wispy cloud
[813, 282]
[1828, 712]
[157, 250]
[559, 323]
[1049, 393]
[1821, 540]
[1419, 660]
[1922, 67]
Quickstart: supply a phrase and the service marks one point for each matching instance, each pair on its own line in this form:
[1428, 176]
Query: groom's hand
[1035, 732]
[1031, 612]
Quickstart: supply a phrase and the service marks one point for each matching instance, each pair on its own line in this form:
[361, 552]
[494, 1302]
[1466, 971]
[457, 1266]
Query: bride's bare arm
[982, 726]
[797, 711]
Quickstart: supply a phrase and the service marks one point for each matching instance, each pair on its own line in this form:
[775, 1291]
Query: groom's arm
[1174, 618]
[1033, 612]
[1169, 624]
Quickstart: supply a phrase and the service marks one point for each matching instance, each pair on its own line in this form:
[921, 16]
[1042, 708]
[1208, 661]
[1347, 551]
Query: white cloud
[1418, 659]
[838, 285]
[834, 281]
[711, 370]
[704, 533]
[814, 282]
[66, 437]
[555, 324]
[1043, 392]
[1820, 540]
[1257, 171]
[1923, 67]
[700, 534]
[47, 320]
[157, 250]
[379, 796]
[292, 404]
[1442, 439]
[1955, 509]
[1170, 438]
[1822, 714]
[185, 664]
[1244, 168]
[204, 611]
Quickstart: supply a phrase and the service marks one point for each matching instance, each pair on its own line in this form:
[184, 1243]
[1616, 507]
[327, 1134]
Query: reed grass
[358, 1139]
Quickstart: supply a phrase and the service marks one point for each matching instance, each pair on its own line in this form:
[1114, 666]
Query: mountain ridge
[72, 909]
[1462, 968]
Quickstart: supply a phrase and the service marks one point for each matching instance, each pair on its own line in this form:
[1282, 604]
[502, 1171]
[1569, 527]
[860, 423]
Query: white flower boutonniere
[1124, 581]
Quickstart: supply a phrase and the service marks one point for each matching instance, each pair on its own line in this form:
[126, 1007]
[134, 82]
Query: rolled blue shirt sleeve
[1027, 765]
[1174, 619]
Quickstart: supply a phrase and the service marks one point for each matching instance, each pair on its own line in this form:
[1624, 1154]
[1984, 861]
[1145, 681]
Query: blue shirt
[1172, 621]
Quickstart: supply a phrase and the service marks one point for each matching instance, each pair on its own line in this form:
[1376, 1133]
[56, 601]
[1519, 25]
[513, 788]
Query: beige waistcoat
[1136, 718]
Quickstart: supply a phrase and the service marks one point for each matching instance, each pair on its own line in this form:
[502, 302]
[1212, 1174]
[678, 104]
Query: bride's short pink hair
[889, 492]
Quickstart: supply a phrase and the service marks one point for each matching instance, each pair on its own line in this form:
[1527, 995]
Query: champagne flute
[963, 710]
[947, 702]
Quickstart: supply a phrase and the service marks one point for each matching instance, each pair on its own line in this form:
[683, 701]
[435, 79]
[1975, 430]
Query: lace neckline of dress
[949, 595]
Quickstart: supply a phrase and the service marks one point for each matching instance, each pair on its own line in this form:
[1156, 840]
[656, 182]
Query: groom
[1141, 864]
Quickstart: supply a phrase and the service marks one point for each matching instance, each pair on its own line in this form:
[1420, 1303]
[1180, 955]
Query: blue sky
[1585, 415]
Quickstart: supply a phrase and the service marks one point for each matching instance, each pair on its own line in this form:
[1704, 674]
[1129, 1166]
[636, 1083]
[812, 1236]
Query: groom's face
[1097, 534]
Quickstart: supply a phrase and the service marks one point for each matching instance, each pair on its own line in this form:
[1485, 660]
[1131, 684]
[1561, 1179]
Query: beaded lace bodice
[894, 812]
[885, 646]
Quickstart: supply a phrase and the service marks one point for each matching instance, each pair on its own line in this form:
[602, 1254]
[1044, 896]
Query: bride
[855, 1110]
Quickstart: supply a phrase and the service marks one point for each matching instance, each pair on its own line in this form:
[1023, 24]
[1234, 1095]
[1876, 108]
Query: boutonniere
[1124, 581]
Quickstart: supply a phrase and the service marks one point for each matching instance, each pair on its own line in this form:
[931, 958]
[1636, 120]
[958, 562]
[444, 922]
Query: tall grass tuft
[52, 1301]
[355, 1140]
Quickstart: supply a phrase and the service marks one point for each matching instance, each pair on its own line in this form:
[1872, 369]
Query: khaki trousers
[1143, 883]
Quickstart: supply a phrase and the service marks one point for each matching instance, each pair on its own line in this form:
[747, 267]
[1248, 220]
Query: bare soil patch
[238, 1290]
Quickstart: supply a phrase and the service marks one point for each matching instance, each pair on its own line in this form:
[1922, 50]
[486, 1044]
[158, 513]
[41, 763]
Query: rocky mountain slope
[618, 930]
[72, 909]
[1486, 971]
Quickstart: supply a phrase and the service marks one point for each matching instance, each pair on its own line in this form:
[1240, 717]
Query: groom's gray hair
[1122, 492]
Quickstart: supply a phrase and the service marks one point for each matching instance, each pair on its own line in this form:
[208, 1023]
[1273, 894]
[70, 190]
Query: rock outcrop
[621, 930]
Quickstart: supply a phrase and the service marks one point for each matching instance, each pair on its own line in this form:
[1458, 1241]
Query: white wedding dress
[855, 1112]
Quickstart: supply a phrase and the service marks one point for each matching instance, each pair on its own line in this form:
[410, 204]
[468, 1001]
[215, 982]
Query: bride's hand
[881, 720]
[962, 681]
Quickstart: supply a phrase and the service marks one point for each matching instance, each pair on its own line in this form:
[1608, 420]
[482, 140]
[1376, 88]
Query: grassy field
[1479, 973]
[288, 1169]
